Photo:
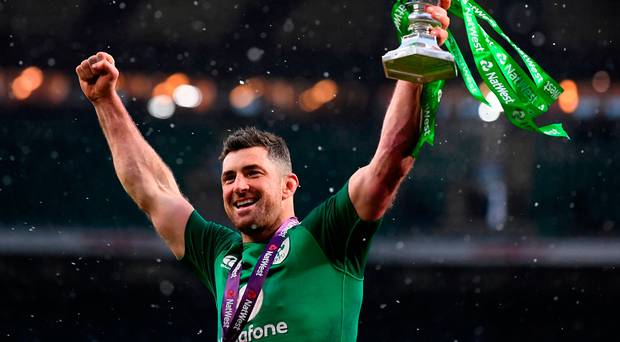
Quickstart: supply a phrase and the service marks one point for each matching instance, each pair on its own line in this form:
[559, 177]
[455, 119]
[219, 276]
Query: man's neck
[265, 234]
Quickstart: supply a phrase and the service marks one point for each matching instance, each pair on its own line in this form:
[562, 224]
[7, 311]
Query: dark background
[61, 204]
[111, 300]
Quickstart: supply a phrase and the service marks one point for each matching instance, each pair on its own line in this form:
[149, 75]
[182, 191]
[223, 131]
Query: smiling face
[256, 190]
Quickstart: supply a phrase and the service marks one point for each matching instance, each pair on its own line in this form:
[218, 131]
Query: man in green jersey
[313, 278]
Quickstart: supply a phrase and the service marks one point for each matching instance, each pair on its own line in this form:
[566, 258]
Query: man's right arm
[145, 177]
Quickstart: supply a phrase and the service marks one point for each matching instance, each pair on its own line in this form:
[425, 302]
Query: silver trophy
[419, 58]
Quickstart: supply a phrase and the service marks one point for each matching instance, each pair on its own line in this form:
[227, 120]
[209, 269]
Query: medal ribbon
[523, 99]
[233, 321]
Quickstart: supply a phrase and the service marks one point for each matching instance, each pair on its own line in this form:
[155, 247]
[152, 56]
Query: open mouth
[244, 203]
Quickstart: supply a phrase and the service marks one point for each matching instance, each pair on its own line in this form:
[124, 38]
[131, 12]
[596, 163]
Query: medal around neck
[419, 58]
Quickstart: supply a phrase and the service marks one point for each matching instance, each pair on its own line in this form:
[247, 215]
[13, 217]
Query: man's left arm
[373, 187]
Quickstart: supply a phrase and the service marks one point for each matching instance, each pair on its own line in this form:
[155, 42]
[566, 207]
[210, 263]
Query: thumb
[104, 67]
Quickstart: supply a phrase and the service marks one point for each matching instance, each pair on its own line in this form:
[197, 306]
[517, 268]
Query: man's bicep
[169, 216]
[373, 187]
[343, 236]
[370, 199]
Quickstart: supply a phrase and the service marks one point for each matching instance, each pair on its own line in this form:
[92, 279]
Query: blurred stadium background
[499, 235]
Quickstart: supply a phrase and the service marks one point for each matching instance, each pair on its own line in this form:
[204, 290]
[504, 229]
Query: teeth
[245, 202]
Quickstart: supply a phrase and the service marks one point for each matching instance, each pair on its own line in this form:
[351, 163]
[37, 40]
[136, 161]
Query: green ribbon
[431, 95]
[523, 99]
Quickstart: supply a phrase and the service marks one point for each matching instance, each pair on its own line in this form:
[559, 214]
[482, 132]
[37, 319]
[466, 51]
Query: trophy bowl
[419, 58]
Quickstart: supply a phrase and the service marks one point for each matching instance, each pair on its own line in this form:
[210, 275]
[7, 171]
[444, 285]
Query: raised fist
[98, 76]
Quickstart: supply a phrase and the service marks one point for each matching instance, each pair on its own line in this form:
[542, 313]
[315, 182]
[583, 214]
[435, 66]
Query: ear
[290, 183]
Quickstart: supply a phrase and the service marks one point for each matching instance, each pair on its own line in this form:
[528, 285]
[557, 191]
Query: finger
[440, 15]
[92, 60]
[104, 67]
[80, 72]
[441, 35]
[446, 4]
[86, 70]
[443, 19]
[436, 10]
[103, 55]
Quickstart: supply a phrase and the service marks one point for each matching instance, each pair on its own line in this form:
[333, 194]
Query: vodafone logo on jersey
[254, 333]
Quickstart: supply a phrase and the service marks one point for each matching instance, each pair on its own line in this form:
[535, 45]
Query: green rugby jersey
[314, 288]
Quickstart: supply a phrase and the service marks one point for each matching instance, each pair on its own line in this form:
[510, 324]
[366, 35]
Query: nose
[241, 185]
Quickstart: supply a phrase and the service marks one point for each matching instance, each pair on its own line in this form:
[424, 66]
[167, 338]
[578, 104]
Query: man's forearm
[373, 187]
[401, 127]
[138, 167]
[142, 173]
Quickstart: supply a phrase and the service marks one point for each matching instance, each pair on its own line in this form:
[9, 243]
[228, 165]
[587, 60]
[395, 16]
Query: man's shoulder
[336, 202]
[197, 221]
[204, 234]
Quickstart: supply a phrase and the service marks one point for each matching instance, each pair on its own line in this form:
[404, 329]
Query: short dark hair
[252, 137]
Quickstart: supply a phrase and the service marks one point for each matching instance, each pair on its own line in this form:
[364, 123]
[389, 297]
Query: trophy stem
[420, 21]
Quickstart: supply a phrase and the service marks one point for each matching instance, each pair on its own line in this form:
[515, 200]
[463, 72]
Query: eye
[253, 173]
[228, 179]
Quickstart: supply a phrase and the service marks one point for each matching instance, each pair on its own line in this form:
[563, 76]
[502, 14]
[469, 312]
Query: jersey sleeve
[343, 236]
[204, 241]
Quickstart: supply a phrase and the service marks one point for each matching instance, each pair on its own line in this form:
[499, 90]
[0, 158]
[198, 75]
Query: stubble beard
[261, 222]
